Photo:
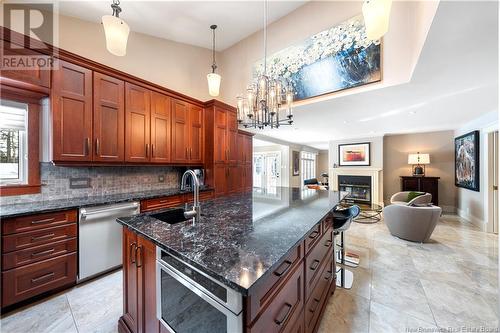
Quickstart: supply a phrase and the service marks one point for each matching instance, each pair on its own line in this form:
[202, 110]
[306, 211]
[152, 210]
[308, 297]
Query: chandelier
[268, 102]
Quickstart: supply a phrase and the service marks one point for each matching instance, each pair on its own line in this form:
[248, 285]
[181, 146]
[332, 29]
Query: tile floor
[399, 286]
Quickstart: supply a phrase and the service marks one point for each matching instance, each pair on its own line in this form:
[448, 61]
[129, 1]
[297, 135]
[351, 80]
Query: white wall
[472, 205]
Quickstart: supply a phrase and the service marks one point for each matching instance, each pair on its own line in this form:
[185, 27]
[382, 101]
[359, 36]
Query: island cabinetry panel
[137, 123]
[71, 100]
[109, 119]
[285, 308]
[260, 297]
[315, 261]
[312, 238]
[139, 285]
[38, 255]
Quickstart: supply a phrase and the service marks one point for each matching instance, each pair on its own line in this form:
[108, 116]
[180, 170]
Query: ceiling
[454, 82]
[187, 21]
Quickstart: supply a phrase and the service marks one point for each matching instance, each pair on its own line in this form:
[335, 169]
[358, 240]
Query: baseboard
[449, 209]
[472, 219]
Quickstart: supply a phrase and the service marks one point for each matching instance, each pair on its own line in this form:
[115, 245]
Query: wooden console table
[421, 184]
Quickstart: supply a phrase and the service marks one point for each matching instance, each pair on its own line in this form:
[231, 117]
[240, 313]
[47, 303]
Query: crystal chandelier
[266, 100]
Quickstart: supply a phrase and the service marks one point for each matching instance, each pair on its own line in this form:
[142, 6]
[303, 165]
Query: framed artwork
[467, 161]
[335, 59]
[296, 163]
[354, 154]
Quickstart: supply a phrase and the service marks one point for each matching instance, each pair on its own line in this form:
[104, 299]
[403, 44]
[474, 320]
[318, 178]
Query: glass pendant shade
[213, 84]
[376, 14]
[116, 32]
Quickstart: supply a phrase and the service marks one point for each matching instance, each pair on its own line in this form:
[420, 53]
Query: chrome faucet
[195, 212]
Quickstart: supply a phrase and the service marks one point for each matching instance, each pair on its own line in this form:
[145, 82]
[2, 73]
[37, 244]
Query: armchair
[401, 197]
[415, 224]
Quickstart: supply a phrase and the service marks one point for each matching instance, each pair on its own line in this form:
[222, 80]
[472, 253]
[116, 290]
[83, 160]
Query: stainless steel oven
[188, 300]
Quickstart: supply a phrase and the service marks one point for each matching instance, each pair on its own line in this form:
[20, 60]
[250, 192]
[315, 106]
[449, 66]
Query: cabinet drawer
[312, 237]
[205, 195]
[315, 260]
[38, 237]
[264, 293]
[22, 283]
[326, 224]
[38, 221]
[159, 203]
[319, 297]
[285, 307]
[37, 253]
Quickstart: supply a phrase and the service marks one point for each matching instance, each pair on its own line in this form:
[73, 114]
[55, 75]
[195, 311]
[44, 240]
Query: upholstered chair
[401, 197]
[411, 223]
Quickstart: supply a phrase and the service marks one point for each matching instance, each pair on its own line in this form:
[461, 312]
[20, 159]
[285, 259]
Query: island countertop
[242, 237]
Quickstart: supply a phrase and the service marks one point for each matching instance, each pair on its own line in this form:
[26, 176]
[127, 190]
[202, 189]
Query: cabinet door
[220, 179]
[220, 136]
[109, 119]
[137, 122]
[130, 280]
[195, 134]
[232, 142]
[233, 178]
[72, 113]
[410, 184]
[241, 148]
[32, 73]
[161, 119]
[430, 185]
[248, 177]
[180, 131]
[146, 265]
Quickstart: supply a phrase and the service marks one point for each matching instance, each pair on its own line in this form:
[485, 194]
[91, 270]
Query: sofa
[400, 198]
[413, 223]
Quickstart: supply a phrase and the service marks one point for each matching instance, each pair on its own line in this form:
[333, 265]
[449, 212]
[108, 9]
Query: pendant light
[376, 14]
[213, 78]
[116, 31]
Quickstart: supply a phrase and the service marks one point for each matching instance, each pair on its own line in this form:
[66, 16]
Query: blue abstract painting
[335, 59]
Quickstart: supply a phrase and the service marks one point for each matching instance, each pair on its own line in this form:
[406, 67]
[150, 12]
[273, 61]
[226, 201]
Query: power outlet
[161, 179]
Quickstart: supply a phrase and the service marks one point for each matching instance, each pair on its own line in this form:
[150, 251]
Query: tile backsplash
[103, 181]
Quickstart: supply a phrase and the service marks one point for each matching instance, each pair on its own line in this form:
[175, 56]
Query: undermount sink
[172, 216]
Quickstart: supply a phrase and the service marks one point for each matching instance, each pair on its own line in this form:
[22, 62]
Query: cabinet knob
[147, 149]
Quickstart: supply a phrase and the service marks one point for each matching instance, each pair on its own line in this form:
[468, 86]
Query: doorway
[493, 165]
[267, 169]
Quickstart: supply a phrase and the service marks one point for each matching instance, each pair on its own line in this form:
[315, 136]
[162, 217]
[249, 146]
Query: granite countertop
[53, 205]
[240, 237]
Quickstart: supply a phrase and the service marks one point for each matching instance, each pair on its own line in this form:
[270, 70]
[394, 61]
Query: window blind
[13, 116]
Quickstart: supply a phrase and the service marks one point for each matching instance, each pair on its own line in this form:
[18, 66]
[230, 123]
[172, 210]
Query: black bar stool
[342, 219]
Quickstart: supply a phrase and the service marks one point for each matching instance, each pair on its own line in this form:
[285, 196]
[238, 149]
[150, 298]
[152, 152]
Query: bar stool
[342, 219]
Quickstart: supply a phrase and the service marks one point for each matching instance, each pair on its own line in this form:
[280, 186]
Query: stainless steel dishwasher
[100, 238]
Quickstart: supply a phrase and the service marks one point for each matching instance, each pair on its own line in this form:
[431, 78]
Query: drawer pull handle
[43, 221]
[42, 253]
[43, 277]
[314, 265]
[284, 268]
[287, 307]
[133, 253]
[328, 276]
[34, 239]
[316, 302]
[138, 255]
[328, 243]
[314, 234]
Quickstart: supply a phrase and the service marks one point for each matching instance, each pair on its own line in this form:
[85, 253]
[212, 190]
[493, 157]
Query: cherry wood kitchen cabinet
[139, 285]
[71, 98]
[195, 134]
[137, 123]
[232, 137]
[33, 76]
[180, 131]
[161, 122]
[109, 119]
[220, 135]
[38, 255]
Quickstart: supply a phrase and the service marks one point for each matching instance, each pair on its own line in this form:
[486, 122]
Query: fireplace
[358, 187]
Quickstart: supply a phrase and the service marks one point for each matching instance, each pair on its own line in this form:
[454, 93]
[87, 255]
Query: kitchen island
[259, 261]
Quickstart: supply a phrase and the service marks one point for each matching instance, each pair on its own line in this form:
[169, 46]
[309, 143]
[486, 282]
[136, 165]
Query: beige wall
[440, 147]
[321, 163]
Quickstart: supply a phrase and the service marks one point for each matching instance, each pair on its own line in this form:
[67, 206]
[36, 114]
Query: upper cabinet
[137, 123]
[195, 134]
[109, 119]
[72, 113]
[220, 135]
[161, 123]
[187, 133]
[232, 137]
[32, 75]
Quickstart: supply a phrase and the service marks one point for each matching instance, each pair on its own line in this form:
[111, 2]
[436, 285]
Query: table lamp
[418, 162]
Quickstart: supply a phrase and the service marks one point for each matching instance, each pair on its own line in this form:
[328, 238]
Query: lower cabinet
[139, 285]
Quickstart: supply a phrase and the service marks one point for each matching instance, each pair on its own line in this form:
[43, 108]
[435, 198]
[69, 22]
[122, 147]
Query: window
[308, 165]
[13, 143]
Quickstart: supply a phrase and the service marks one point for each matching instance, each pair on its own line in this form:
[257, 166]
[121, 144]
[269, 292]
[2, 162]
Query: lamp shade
[419, 158]
[116, 32]
[376, 14]
[213, 84]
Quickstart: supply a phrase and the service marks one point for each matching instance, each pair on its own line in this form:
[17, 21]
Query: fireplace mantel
[375, 173]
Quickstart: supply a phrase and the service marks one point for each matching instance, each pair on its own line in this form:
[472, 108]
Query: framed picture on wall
[296, 162]
[467, 161]
[354, 154]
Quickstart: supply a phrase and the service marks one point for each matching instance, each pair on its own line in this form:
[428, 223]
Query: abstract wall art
[338, 58]
[467, 161]
[354, 154]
